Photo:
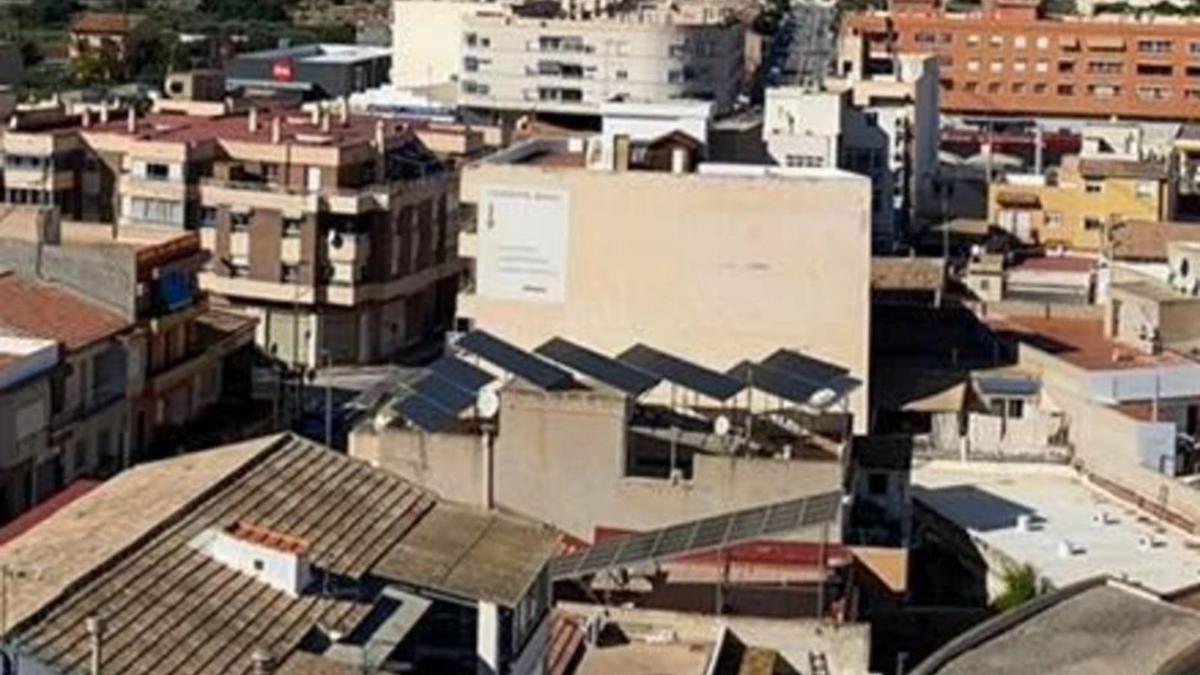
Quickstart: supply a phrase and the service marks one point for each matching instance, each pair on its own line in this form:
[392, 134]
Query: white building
[570, 62]
[885, 127]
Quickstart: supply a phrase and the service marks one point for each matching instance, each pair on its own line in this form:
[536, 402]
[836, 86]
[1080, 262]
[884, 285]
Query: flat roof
[985, 502]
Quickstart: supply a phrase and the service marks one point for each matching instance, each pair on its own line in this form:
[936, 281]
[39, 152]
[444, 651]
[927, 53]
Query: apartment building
[333, 230]
[717, 261]
[68, 404]
[884, 127]
[1010, 57]
[187, 357]
[1075, 206]
[507, 58]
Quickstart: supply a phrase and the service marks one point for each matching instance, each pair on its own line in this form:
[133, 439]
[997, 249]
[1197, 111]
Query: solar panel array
[513, 359]
[620, 376]
[811, 374]
[433, 398]
[686, 374]
[699, 536]
[774, 382]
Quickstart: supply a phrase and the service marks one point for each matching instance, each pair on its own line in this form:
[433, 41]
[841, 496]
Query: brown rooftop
[1122, 168]
[908, 273]
[1147, 240]
[266, 537]
[105, 22]
[39, 310]
[1082, 343]
[295, 126]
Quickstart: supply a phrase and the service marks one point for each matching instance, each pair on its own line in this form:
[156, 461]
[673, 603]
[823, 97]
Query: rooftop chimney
[273, 558]
[261, 662]
[276, 130]
[621, 152]
[131, 120]
[252, 120]
[95, 631]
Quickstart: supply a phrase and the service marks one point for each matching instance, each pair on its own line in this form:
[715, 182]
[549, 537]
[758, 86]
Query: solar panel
[619, 376]
[711, 383]
[708, 534]
[1007, 385]
[423, 413]
[515, 360]
[804, 367]
[774, 382]
[460, 373]
[441, 391]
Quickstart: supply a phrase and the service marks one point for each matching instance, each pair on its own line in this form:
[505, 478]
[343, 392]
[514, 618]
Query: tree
[1020, 586]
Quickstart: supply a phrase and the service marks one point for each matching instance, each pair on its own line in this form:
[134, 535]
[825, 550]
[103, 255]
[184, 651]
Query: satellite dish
[382, 420]
[823, 398]
[721, 425]
[487, 403]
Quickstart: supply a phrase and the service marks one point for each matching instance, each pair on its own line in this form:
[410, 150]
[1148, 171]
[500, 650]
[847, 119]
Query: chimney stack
[252, 119]
[276, 130]
[621, 152]
[131, 120]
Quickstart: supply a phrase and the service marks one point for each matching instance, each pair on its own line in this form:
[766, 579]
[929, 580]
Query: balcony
[215, 192]
[139, 186]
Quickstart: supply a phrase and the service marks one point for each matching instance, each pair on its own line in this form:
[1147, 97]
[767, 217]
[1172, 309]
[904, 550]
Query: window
[973, 66]
[1093, 223]
[1039, 88]
[993, 87]
[1019, 65]
[996, 41]
[1020, 42]
[997, 66]
[1066, 90]
[972, 40]
[240, 220]
[1105, 67]
[923, 38]
[291, 226]
[290, 274]
[470, 64]
[1053, 219]
[471, 39]
[1155, 69]
[621, 75]
[1154, 46]
[155, 211]
[1146, 189]
[1042, 66]
[208, 216]
[1043, 42]
[157, 171]
[1194, 48]
[1154, 93]
[971, 86]
[946, 38]
[1016, 408]
[805, 161]
[1104, 90]
[1066, 66]
[1018, 87]
[1093, 187]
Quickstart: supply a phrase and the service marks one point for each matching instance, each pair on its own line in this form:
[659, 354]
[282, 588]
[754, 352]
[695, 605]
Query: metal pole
[821, 575]
[328, 402]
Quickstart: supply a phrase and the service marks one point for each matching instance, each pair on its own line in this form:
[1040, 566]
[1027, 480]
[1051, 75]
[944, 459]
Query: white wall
[427, 38]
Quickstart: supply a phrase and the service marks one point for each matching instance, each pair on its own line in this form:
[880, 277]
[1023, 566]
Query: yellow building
[1074, 206]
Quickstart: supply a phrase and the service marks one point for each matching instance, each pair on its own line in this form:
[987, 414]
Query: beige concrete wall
[714, 268]
[560, 459]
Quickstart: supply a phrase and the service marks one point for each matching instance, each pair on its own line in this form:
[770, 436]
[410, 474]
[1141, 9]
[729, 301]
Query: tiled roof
[1122, 168]
[1147, 240]
[35, 309]
[907, 274]
[105, 22]
[169, 607]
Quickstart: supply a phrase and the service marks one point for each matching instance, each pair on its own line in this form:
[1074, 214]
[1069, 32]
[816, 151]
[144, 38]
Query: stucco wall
[714, 268]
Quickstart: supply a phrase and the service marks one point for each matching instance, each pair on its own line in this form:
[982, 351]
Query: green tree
[1020, 586]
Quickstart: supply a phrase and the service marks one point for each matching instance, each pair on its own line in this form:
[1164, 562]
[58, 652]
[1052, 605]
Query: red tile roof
[34, 309]
[105, 22]
[1058, 264]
